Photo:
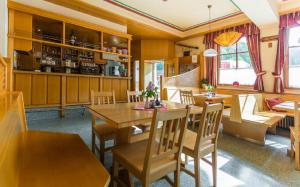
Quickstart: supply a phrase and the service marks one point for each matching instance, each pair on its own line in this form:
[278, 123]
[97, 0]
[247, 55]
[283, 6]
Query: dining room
[98, 93]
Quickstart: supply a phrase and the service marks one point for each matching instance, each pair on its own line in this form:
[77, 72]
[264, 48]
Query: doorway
[153, 69]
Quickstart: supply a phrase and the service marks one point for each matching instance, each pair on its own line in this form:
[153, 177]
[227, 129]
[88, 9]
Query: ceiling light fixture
[210, 52]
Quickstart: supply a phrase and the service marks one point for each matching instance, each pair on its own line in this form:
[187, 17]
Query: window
[293, 70]
[235, 64]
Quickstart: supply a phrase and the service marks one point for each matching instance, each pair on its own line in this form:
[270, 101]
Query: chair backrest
[100, 98]
[210, 121]
[186, 97]
[166, 136]
[134, 96]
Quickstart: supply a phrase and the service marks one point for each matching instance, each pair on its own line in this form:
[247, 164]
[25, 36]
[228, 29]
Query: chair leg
[214, 167]
[297, 156]
[115, 173]
[186, 159]
[102, 149]
[177, 177]
[146, 184]
[93, 142]
[193, 121]
[197, 171]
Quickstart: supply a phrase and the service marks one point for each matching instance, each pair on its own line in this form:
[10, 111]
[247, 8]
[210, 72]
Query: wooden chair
[204, 142]
[104, 132]
[154, 158]
[186, 97]
[134, 96]
[295, 140]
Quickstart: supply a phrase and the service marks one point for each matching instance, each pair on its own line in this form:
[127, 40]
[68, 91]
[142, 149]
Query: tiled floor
[240, 163]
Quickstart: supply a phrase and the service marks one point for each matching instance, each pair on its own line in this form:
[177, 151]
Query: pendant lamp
[210, 52]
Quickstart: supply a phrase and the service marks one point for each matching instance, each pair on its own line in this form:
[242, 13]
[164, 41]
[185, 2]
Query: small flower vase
[147, 103]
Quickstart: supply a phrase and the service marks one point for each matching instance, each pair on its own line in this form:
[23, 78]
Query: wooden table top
[123, 115]
[60, 160]
[217, 96]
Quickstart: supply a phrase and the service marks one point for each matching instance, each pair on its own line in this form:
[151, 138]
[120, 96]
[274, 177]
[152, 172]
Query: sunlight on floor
[275, 144]
[223, 178]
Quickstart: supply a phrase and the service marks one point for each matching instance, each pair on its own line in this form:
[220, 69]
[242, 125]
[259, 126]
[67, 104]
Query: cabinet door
[116, 88]
[23, 28]
[84, 89]
[72, 90]
[54, 89]
[94, 84]
[39, 90]
[22, 83]
[106, 85]
[123, 90]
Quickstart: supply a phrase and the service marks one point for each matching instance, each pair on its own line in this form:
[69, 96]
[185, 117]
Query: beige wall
[268, 54]
[195, 42]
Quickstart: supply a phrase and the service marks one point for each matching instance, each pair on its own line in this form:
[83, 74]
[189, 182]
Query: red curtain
[286, 21]
[253, 41]
[211, 62]
[252, 33]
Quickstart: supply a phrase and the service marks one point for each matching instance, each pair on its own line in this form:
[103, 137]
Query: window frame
[286, 64]
[237, 67]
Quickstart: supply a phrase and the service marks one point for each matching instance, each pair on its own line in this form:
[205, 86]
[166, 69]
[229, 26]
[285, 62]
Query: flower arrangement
[151, 90]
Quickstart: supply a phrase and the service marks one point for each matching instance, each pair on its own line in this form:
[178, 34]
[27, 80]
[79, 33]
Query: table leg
[123, 137]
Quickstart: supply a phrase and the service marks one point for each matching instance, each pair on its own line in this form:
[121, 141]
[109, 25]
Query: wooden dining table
[200, 98]
[124, 115]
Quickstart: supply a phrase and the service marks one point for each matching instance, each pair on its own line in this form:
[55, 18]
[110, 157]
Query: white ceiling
[183, 14]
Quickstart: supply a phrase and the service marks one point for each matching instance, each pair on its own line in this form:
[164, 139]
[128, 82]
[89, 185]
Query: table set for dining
[124, 115]
[168, 121]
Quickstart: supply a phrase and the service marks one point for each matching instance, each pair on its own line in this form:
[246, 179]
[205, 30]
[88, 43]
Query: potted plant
[151, 91]
[204, 83]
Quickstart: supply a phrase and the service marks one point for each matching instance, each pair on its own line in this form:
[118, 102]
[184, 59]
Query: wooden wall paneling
[22, 27]
[84, 89]
[123, 89]
[106, 85]
[22, 83]
[54, 89]
[71, 90]
[116, 88]
[39, 90]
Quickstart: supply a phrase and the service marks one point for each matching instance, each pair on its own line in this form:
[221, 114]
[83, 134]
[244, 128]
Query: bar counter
[41, 89]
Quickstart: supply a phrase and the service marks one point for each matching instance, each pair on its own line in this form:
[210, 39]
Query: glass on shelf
[115, 44]
[47, 29]
[82, 37]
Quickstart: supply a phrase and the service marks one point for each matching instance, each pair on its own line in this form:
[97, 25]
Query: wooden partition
[170, 86]
[285, 96]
